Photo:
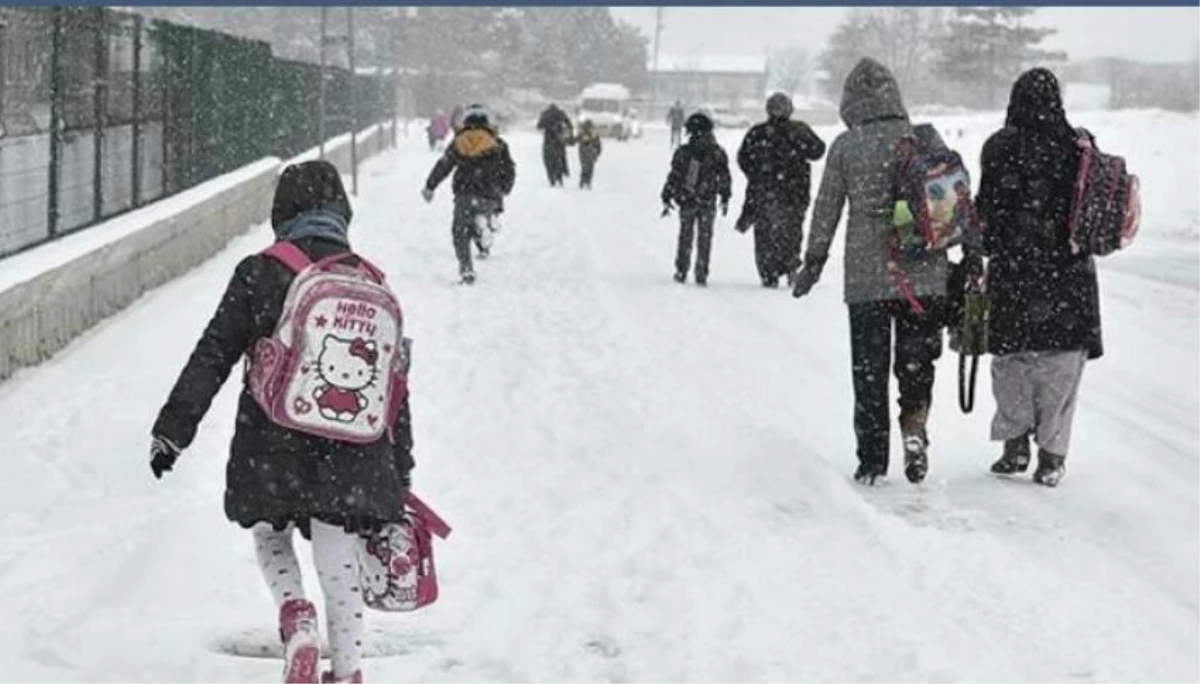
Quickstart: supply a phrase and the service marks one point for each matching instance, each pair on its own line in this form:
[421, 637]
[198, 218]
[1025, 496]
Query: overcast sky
[1146, 33]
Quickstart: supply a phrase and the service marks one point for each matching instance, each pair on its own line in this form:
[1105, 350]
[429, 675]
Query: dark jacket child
[589, 151]
[1044, 301]
[775, 156]
[699, 177]
[484, 174]
[279, 478]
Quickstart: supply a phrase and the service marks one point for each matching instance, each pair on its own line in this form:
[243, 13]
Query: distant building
[734, 82]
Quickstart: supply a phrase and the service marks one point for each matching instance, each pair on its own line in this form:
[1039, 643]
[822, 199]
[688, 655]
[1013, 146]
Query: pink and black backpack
[1106, 205]
[337, 364]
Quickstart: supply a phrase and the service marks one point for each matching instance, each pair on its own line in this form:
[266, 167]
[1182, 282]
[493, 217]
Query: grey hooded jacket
[860, 168]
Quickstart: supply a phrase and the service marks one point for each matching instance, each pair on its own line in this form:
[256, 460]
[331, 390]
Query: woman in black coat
[278, 479]
[1044, 301]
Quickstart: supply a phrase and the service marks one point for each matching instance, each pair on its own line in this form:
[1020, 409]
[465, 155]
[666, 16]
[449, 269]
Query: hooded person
[279, 479]
[1044, 301]
[698, 179]
[776, 156]
[557, 131]
[860, 170]
[484, 174]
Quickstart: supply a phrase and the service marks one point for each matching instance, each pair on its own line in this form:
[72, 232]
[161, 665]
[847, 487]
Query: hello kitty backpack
[396, 570]
[337, 364]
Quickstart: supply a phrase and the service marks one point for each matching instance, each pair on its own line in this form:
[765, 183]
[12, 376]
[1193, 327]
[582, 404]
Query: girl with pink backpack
[334, 481]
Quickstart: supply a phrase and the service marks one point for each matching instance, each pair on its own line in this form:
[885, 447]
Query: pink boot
[301, 642]
[356, 678]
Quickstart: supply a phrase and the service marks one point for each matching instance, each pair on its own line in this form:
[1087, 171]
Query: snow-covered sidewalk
[647, 481]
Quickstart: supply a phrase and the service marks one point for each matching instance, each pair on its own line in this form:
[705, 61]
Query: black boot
[916, 443]
[870, 473]
[1015, 458]
[1050, 468]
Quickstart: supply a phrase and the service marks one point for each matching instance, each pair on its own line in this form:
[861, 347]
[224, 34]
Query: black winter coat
[275, 474]
[481, 164]
[1042, 298]
[699, 174]
[776, 156]
[590, 148]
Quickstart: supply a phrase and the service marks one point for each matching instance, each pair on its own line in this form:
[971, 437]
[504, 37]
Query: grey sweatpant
[1036, 394]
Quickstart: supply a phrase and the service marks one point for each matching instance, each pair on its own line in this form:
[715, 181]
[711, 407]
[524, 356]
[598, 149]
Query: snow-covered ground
[647, 481]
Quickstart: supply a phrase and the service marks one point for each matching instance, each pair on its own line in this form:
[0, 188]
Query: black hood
[307, 187]
[1036, 104]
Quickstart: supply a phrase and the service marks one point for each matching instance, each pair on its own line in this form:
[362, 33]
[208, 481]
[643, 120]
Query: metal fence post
[321, 96]
[354, 104]
[55, 120]
[135, 188]
[99, 90]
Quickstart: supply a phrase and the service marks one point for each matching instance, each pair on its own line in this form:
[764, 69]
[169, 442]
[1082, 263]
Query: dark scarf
[318, 223]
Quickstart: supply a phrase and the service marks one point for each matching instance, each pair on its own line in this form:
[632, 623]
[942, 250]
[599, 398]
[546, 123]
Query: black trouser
[918, 343]
[778, 236]
[464, 228]
[586, 168]
[695, 223]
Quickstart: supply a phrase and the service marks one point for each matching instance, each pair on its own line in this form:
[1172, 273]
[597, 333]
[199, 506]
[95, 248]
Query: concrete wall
[41, 314]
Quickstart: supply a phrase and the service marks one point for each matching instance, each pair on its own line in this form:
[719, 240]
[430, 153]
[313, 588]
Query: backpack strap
[289, 255]
[371, 269]
[423, 511]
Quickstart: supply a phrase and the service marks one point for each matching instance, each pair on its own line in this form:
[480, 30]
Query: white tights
[336, 559]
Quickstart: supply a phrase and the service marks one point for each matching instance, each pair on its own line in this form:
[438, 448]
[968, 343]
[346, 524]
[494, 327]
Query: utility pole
[321, 97]
[654, 77]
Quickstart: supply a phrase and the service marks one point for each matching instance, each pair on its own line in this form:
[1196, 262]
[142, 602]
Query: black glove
[725, 206]
[667, 207]
[807, 276]
[163, 454]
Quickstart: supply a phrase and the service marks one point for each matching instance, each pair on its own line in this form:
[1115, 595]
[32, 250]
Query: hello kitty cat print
[336, 366]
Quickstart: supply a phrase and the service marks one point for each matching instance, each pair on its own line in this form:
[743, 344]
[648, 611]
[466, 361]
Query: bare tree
[902, 38]
[790, 69]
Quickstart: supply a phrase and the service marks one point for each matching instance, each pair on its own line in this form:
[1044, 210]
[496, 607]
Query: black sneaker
[1050, 469]
[702, 281]
[770, 281]
[468, 278]
[870, 474]
[680, 276]
[1015, 458]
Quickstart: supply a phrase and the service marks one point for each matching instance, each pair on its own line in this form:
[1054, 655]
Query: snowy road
[647, 481]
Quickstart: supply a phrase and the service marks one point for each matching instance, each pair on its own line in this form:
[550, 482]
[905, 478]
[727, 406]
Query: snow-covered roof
[722, 64]
[605, 91]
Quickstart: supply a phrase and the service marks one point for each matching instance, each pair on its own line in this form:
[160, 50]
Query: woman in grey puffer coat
[860, 168]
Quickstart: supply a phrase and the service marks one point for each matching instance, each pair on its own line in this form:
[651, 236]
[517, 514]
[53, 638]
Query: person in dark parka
[699, 177]
[484, 174]
[1044, 316]
[278, 478]
[556, 130]
[590, 148]
[776, 156]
